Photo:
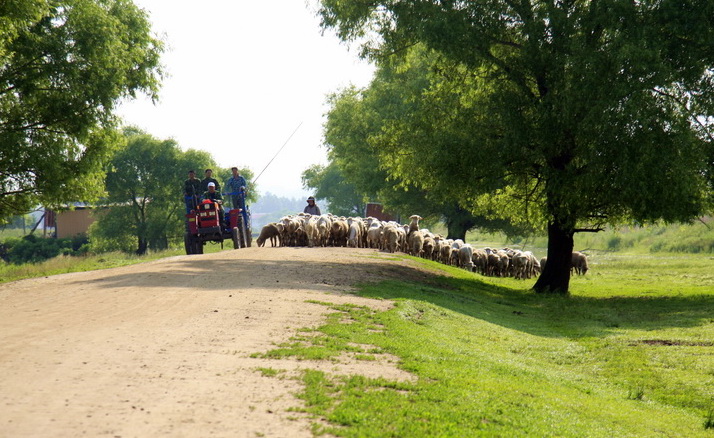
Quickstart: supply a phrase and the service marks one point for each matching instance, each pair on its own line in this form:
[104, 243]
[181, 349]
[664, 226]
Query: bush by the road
[33, 249]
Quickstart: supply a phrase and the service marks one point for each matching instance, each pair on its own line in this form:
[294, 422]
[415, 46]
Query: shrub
[33, 249]
[614, 243]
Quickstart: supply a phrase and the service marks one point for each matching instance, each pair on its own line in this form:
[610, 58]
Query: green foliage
[565, 115]
[329, 184]
[63, 265]
[145, 194]
[709, 421]
[64, 65]
[694, 238]
[222, 174]
[489, 359]
[18, 222]
[359, 149]
[32, 249]
[269, 372]
[88, 260]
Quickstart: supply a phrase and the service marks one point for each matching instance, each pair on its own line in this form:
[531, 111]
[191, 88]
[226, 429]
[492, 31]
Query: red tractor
[207, 223]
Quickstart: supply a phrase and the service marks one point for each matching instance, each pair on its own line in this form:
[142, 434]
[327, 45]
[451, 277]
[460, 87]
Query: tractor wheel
[250, 237]
[198, 246]
[236, 238]
[188, 243]
[245, 238]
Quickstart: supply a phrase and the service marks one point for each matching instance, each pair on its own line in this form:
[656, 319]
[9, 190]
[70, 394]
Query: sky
[242, 77]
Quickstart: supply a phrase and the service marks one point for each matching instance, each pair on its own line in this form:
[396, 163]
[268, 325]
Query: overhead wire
[277, 153]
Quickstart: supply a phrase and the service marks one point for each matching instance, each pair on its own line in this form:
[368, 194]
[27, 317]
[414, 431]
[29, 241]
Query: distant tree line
[270, 208]
[144, 193]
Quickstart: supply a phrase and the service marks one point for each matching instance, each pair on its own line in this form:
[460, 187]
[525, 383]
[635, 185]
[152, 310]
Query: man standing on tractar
[236, 184]
[209, 179]
[191, 191]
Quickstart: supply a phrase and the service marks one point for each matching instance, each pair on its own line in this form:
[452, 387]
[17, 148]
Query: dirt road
[163, 348]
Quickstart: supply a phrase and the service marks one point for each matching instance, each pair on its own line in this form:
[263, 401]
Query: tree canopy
[144, 187]
[360, 135]
[569, 114]
[64, 66]
[329, 183]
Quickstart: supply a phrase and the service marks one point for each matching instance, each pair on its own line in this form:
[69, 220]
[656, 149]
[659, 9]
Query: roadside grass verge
[91, 262]
[65, 264]
[493, 359]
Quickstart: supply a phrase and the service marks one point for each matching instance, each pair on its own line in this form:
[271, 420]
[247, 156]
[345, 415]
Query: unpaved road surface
[163, 348]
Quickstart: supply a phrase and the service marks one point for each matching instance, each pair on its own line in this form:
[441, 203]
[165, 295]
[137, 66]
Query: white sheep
[339, 232]
[374, 234]
[414, 224]
[579, 263]
[390, 238]
[355, 235]
[445, 251]
[416, 243]
[465, 257]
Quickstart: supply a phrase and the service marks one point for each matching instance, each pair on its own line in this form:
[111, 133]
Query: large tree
[64, 66]
[144, 183]
[366, 134]
[329, 183]
[576, 113]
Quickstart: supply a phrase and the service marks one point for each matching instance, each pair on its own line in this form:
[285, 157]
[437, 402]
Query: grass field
[629, 353]
[66, 264]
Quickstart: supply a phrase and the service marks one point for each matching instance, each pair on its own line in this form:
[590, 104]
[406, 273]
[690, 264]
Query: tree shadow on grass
[553, 315]
[393, 278]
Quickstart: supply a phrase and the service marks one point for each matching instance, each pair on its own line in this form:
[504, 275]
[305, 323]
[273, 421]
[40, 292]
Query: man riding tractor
[209, 223]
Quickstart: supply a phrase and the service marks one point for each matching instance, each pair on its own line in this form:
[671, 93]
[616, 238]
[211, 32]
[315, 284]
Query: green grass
[66, 264]
[629, 353]
[13, 232]
[694, 238]
[616, 358]
[269, 372]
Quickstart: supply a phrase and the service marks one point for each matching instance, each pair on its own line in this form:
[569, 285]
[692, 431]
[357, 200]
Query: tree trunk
[143, 246]
[159, 243]
[458, 222]
[37, 224]
[556, 275]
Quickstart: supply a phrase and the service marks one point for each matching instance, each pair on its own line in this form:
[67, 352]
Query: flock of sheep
[328, 230]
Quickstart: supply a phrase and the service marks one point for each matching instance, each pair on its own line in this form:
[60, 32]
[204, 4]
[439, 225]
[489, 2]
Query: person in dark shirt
[214, 195]
[191, 191]
[209, 179]
[311, 207]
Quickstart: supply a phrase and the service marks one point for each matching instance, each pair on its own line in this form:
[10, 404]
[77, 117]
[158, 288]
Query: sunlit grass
[621, 274]
[491, 358]
[91, 262]
[694, 238]
[629, 353]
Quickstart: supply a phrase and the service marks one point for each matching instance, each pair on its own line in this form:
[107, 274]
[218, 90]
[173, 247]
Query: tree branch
[588, 230]
[687, 109]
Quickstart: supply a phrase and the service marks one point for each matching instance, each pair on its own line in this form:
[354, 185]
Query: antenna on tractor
[279, 150]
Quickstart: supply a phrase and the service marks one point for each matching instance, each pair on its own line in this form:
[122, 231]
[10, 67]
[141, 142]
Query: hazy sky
[242, 76]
